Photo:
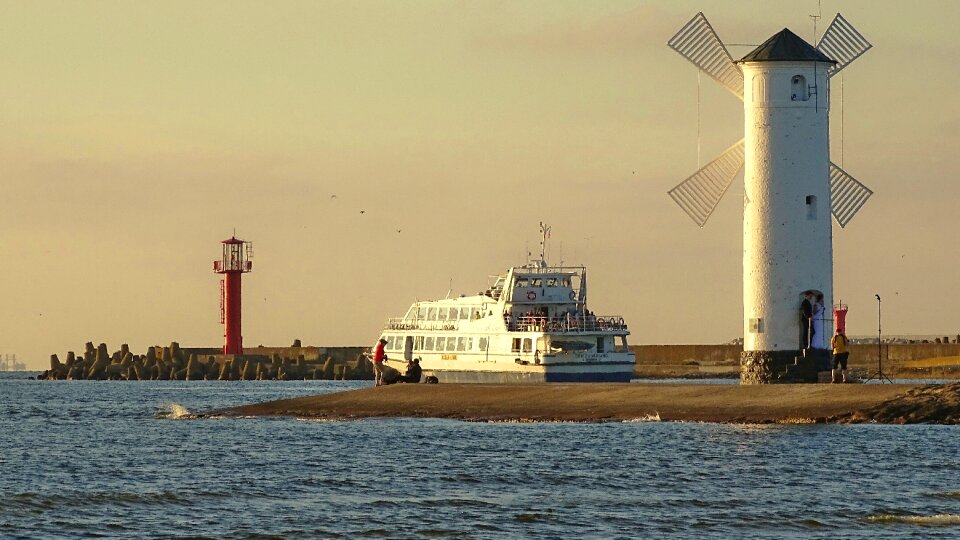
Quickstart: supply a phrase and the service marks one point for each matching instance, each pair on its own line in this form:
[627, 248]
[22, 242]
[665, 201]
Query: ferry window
[535, 282]
[462, 344]
[552, 282]
[469, 343]
[418, 343]
[411, 313]
[428, 343]
[432, 314]
[422, 312]
[522, 282]
[453, 314]
[442, 314]
[440, 343]
[464, 314]
[389, 344]
[483, 344]
[620, 343]
[451, 344]
[476, 313]
[516, 345]
[527, 345]
[599, 344]
[566, 282]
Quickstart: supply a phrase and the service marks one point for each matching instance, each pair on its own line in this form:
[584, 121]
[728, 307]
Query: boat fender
[531, 295]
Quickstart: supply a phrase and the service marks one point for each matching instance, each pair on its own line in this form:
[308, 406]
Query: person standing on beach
[378, 356]
[840, 355]
[806, 316]
[819, 339]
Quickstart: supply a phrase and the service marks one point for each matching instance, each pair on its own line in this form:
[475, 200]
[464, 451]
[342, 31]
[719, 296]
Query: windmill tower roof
[785, 46]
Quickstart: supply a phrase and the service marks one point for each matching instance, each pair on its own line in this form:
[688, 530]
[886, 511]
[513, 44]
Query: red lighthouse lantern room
[234, 263]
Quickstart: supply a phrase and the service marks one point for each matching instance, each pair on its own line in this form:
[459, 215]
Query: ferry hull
[581, 374]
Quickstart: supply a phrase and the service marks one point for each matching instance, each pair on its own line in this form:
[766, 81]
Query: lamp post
[879, 374]
[879, 336]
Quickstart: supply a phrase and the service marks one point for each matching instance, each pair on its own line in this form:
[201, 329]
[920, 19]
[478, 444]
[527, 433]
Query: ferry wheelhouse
[531, 325]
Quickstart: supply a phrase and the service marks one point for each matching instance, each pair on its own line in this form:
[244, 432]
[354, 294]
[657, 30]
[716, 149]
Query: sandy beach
[620, 402]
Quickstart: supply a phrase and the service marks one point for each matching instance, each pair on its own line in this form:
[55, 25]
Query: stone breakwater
[175, 363]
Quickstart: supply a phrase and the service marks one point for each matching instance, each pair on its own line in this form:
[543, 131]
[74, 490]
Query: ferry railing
[573, 324]
[406, 324]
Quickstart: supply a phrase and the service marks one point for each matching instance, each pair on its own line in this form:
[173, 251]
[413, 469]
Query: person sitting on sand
[414, 372]
[840, 355]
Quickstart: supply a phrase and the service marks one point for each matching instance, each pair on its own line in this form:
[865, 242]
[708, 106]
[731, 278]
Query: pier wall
[902, 360]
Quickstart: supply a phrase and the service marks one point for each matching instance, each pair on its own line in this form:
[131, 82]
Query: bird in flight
[363, 211]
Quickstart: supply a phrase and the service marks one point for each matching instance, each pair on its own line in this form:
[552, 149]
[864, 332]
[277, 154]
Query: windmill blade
[698, 43]
[847, 195]
[699, 194]
[842, 42]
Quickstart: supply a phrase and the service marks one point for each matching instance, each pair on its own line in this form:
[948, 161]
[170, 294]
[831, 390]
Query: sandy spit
[627, 402]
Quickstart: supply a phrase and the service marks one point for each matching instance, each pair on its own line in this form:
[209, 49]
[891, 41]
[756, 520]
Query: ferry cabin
[531, 325]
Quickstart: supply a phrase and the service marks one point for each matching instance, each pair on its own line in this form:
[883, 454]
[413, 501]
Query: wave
[655, 417]
[937, 520]
[42, 502]
[175, 411]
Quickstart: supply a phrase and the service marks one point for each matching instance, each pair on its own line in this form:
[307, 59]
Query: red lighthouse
[234, 263]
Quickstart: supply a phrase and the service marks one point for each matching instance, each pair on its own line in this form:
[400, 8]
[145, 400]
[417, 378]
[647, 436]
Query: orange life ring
[531, 295]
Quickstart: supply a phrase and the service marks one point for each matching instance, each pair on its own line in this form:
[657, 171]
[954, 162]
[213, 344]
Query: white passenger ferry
[531, 325]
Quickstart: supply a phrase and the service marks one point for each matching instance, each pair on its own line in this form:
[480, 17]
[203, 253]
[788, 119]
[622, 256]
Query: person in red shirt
[378, 356]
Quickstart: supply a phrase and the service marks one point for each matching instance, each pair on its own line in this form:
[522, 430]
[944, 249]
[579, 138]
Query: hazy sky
[137, 135]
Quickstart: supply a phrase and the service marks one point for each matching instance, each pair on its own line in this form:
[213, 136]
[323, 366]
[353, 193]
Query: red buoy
[234, 263]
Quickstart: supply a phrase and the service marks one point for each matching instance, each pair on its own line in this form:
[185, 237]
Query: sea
[91, 459]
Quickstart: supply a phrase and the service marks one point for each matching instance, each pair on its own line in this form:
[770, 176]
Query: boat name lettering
[448, 357]
[591, 356]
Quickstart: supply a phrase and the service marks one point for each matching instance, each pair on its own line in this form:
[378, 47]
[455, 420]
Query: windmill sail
[698, 43]
[699, 194]
[842, 42]
[847, 195]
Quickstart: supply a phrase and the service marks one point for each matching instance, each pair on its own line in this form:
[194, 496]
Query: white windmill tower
[789, 183]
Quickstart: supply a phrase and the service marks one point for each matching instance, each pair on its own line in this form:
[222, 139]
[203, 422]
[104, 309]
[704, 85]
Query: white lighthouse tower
[790, 187]
[787, 238]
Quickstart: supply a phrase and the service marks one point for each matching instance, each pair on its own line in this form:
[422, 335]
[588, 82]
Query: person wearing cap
[378, 356]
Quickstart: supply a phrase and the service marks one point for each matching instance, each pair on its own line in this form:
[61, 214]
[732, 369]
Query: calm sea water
[88, 459]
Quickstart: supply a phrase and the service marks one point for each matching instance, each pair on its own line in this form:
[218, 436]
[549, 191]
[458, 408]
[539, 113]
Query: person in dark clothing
[806, 319]
[413, 373]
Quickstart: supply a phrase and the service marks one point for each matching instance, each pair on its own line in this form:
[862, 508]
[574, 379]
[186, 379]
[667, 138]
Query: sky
[138, 135]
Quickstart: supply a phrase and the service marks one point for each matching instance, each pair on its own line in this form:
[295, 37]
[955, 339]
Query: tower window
[798, 88]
